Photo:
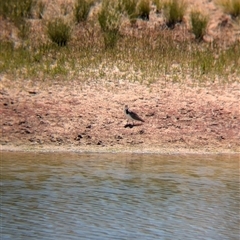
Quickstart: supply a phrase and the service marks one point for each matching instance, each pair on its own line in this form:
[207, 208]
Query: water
[119, 196]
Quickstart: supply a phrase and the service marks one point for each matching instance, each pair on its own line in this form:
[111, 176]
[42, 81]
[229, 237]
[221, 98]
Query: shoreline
[117, 150]
[90, 118]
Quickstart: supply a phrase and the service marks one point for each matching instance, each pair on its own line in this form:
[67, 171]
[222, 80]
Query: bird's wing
[136, 117]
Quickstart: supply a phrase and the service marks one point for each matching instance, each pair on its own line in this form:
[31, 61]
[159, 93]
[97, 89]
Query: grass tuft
[109, 19]
[231, 7]
[130, 7]
[82, 9]
[58, 31]
[174, 11]
[15, 9]
[143, 9]
[199, 24]
[159, 5]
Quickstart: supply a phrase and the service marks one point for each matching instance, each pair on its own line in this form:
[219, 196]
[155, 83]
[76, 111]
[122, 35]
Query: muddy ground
[89, 117]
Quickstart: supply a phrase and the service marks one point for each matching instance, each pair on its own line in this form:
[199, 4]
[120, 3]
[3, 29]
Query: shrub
[82, 9]
[59, 32]
[231, 7]
[109, 20]
[174, 11]
[199, 24]
[143, 9]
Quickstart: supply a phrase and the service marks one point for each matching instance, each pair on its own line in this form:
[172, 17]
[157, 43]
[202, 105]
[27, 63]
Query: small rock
[21, 122]
[32, 92]
[79, 136]
[27, 131]
[118, 137]
[150, 114]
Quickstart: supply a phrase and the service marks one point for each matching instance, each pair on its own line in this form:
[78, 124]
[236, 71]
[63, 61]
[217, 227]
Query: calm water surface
[114, 196]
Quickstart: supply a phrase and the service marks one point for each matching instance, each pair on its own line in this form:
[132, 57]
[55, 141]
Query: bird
[131, 115]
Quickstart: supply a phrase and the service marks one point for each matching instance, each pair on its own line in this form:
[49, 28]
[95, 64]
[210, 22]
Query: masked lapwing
[131, 115]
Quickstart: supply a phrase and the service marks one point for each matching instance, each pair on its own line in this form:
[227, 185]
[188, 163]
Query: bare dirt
[90, 117]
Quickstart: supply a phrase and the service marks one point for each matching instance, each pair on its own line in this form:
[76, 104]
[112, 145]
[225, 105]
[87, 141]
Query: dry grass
[146, 57]
[231, 7]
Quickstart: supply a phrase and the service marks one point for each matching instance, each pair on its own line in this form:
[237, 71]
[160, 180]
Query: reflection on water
[119, 196]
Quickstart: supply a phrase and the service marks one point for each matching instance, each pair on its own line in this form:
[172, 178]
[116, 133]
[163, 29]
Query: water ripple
[90, 196]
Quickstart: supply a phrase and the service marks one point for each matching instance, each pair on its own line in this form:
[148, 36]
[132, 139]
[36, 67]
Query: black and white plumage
[131, 115]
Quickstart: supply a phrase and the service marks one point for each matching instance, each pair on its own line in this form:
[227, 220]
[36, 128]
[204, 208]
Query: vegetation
[82, 9]
[174, 11]
[148, 57]
[15, 9]
[23, 29]
[144, 9]
[40, 8]
[175, 62]
[231, 7]
[109, 20]
[199, 24]
[18, 12]
[58, 31]
[136, 9]
[159, 5]
[130, 7]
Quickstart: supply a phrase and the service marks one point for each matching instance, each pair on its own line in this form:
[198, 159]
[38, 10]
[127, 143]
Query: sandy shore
[116, 150]
[88, 117]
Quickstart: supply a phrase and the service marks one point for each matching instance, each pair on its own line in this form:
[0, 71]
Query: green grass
[231, 7]
[109, 19]
[159, 5]
[134, 59]
[143, 9]
[18, 12]
[58, 31]
[199, 24]
[15, 9]
[135, 9]
[146, 59]
[82, 9]
[174, 11]
[130, 8]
